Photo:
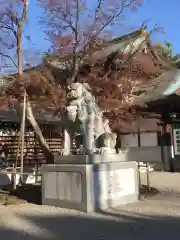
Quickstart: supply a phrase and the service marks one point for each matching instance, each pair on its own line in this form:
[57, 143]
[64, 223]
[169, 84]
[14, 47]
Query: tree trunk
[30, 116]
[45, 147]
[39, 136]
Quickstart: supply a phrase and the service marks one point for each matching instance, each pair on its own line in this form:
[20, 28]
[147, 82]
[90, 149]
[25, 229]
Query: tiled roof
[10, 115]
[161, 87]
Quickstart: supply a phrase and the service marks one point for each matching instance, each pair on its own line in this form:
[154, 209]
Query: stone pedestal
[89, 183]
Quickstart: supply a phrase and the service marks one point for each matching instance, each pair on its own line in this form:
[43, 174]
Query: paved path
[155, 218]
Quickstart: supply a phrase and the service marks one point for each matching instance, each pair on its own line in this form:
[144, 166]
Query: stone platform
[89, 183]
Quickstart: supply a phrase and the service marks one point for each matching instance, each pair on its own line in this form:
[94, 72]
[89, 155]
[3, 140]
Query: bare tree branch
[75, 38]
[9, 57]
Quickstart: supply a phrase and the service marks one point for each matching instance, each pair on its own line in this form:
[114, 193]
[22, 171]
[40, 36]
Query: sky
[164, 13]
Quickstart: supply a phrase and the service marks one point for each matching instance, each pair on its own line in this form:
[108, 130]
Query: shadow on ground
[29, 192]
[69, 227]
[32, 193]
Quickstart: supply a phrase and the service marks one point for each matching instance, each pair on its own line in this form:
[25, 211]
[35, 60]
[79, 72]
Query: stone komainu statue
[84, 118]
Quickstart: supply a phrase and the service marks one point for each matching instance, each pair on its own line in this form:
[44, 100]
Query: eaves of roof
[165, 85]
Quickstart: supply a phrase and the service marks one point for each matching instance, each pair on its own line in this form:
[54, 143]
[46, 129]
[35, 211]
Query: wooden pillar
[139, 138]
[162, 142]
[172, 158]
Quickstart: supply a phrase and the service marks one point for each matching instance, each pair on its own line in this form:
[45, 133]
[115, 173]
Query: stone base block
[89, 159]
[90, 187]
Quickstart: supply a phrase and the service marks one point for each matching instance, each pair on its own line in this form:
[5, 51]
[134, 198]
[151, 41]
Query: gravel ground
[155, 218]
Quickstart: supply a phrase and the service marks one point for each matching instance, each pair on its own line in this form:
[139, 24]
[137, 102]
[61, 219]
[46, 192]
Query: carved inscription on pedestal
[64, 186]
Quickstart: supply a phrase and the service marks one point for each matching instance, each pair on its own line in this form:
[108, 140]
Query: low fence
[145, 166]
[12, 176]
